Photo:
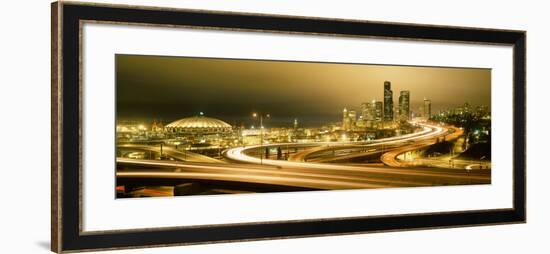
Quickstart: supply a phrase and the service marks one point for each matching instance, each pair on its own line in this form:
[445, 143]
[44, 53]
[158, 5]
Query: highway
[307, 169]
[176, 154]
[240, 154]
[390, 158]
[448, 162]
[329, 178]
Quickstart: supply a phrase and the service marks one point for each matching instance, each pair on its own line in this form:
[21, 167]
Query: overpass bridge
[306, 170]
[181, 155]
[327, 177]
[390, 158]
[245, 154]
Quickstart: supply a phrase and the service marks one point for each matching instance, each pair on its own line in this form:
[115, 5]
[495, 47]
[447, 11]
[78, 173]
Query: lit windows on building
[388, 102]
[404, 105]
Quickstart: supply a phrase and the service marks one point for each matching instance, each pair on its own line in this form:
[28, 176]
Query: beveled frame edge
[519, 209]
[56, 122]
[519, 115]
[206, 11]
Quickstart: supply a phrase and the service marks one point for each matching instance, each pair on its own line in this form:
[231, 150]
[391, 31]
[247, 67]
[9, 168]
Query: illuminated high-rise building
[352, 117]
[365, 111]
[388, 102]
[346, 121]
[427, 109]
[404, 105]
[361, 122]
[372, 113]
[378, 109]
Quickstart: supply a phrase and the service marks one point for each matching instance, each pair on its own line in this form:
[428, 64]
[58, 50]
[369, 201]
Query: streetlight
[255, 115]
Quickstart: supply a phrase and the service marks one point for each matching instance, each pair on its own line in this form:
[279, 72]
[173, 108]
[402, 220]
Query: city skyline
[173, 87]
[302, 126]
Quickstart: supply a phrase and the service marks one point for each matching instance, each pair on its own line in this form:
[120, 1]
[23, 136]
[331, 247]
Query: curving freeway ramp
[302, 174]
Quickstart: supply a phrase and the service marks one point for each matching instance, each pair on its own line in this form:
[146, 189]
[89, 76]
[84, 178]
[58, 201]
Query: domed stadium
[198, 125]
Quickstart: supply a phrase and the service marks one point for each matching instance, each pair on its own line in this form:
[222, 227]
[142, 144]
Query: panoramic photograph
[205, 126]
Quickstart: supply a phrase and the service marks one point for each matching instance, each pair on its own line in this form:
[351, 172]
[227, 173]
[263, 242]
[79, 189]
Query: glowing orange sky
[170, 86]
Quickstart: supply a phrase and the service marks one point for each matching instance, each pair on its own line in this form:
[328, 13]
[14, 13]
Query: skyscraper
[377, 111]
[371, 113]
[346, 121]
[388, 102]
[427, 109]
[352, 117]
[404, 105]
[365, 111]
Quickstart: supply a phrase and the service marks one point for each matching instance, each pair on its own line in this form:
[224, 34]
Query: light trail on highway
[172, 152]
[239, 153]
[390, 158]
[302, 175]
[323, 179]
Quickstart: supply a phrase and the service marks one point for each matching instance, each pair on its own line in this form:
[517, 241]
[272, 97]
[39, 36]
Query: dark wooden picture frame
[67, 234]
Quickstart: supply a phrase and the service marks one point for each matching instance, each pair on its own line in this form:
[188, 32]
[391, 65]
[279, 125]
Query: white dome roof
[198, 122]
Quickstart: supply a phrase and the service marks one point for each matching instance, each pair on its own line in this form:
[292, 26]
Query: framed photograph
[175, 126]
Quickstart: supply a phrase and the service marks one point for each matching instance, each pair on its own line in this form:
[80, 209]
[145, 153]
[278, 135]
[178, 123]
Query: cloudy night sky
[169, 88]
